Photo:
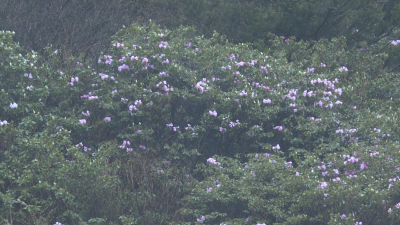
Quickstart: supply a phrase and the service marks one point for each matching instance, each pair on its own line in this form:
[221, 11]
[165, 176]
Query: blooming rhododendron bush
[172, 128]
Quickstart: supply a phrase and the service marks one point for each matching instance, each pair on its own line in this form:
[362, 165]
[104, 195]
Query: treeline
[86, 27]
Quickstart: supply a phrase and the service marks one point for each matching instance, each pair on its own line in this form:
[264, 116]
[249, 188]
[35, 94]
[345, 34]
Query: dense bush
[129, 142]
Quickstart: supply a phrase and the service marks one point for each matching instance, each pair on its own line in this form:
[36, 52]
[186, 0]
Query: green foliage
[113, 145]
[87, 30]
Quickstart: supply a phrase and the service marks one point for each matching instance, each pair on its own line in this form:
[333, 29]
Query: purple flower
[363, 166]
[243, 93]
[142, 147]
[82, 121]
[163, 44]
[339, 91]
[265, 101]
[297, 174]
[276, 147]
[213, 113]
[13, 105]
[103, 76]
[87, 113]
[279, 128]
[394, 42]
[343, 216]
[107, 119]
[201, 220]
[213, 161]
[323, 185]
[343, 69]
[201, 86]
[170, 125]
[164, 74]
[123, 67]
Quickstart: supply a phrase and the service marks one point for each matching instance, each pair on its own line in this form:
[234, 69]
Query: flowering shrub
[268, 136]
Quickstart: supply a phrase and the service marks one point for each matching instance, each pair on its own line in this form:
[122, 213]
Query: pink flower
[107, 119]
[343, 69]
[170, 125]
[279, 128]
[82, 121]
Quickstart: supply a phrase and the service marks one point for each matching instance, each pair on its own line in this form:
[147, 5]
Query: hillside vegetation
[171, 127]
